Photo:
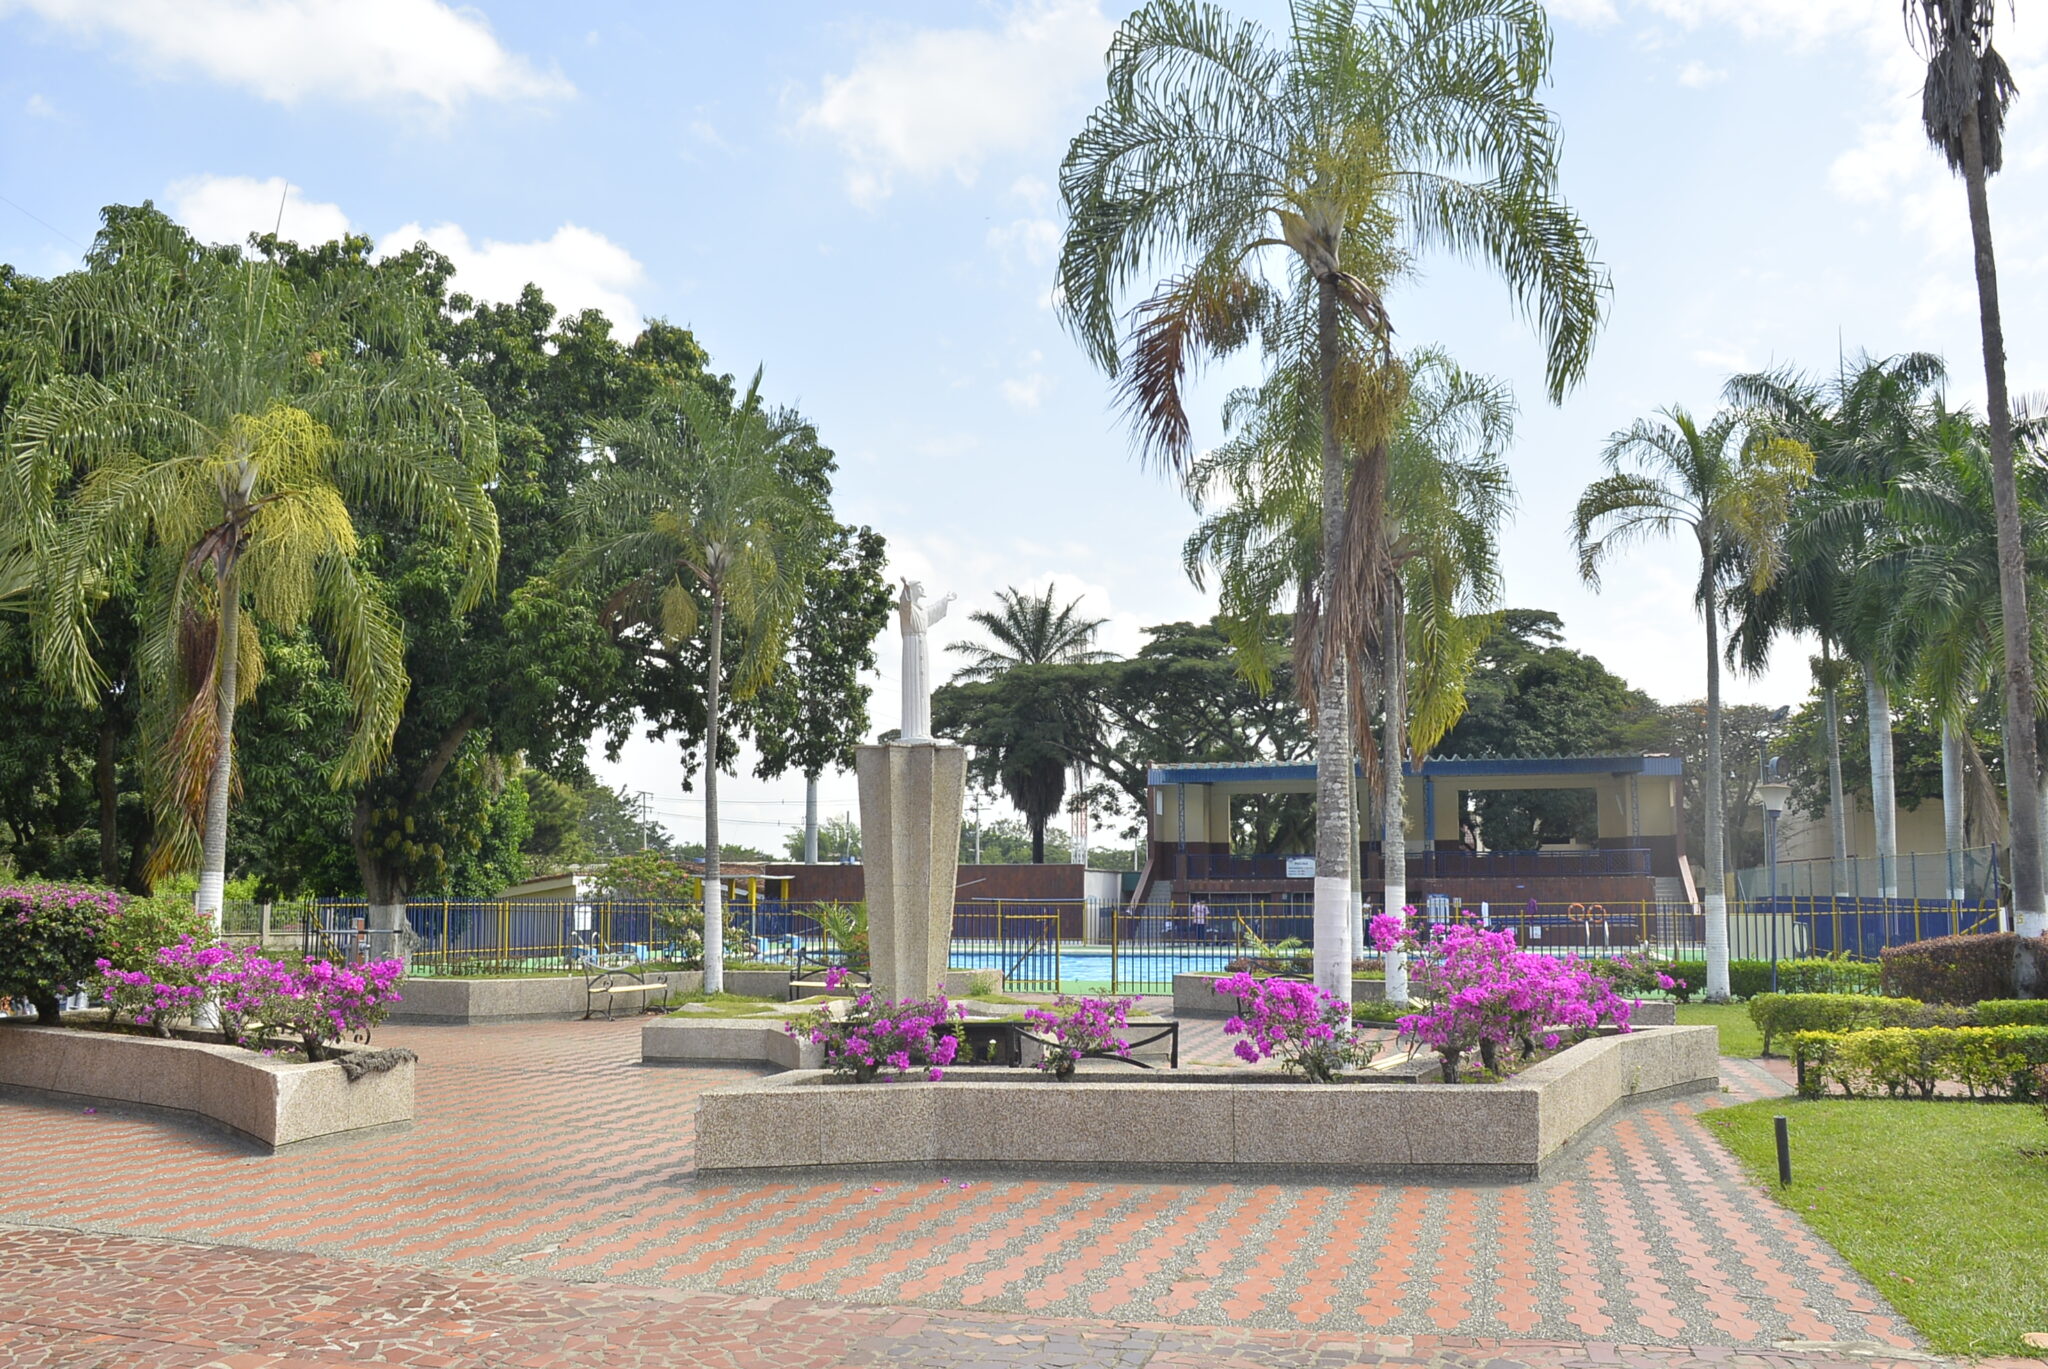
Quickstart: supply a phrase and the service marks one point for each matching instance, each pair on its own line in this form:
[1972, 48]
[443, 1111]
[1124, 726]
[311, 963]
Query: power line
[44, 222]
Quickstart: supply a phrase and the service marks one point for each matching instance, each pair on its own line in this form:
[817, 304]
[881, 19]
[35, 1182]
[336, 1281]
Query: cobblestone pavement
[545, 1151]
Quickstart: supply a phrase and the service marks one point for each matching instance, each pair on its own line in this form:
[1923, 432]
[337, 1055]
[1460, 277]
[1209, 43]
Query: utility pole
[977, 828]
[644, 797]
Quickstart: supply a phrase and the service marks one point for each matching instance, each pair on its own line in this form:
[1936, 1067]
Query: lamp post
[1772, 794]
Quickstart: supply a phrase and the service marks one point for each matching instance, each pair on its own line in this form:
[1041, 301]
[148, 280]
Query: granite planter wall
[716, 1041]
[463, 1002]
[1218, 1122]
[1194, 995]
[271, 1102]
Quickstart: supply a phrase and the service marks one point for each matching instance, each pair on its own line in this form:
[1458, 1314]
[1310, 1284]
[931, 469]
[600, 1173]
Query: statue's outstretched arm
[938, 610]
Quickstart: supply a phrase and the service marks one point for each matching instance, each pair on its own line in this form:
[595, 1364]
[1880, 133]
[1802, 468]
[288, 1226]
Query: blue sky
[860, 197]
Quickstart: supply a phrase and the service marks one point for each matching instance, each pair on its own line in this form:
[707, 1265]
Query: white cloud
[1034, 240]
[1698, 75]
[934, 102]
[1795, 21]
[576, 269]
[1026, 391]
[1942, 296]
[39, 108]
[369, 51]
[1583, 11]
[229, 208]
[1723, 360]
[1888, 154]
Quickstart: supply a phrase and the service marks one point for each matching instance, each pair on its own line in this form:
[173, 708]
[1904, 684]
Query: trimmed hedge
[1814, 974]
[1966, 969]
[1907, 1061]
[1784, 1014]
[2013, 1012]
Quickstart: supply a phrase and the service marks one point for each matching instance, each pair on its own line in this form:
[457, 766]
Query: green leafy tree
[814, 712]
[230, 424]
[833, 839]
[692, 503]
[1372, 132]
[1029, 629]
[1729, 485]
[1962, 107]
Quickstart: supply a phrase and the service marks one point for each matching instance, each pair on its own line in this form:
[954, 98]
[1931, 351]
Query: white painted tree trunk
[1333, 752]
[1394, 810]
[1838, 805]
[810, 819]
[385, 923]
[1952, 807]
[714, 913]
[210, 898]
[1714, 891]
[1884, 800]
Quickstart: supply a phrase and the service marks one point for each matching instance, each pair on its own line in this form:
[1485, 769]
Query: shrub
[257, 998]
[1308, 1030]
[49, 938]
[144, 926]
[1379, 1012]
[2013, 1012]
[1905, 1061]
[1783, 1014]
[1641, 973]
[1486, 994]
[1965, 969]
[912, 1034]
[1827, 974]
[1078, 1027]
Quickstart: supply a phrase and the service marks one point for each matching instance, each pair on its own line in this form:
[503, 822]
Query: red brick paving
[545, 1152]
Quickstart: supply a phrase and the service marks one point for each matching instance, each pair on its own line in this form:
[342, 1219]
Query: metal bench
[803, 983]
[609, 977]
[1168, 1032]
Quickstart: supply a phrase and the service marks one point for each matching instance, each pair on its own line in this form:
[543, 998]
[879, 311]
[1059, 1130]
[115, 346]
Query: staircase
[1673, 919]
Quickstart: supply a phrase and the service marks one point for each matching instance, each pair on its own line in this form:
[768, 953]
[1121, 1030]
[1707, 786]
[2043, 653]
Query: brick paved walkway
[547, 1152]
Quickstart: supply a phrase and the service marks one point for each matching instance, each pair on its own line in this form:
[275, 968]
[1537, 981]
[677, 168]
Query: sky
[861, 197]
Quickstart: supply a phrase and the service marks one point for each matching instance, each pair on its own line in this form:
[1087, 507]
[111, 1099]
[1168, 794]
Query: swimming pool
[1076, 965]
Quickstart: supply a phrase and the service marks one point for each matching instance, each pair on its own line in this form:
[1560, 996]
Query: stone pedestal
[910, 800]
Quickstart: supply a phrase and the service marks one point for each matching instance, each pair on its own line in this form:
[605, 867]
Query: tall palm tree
[1451, 492]
[221, 424]
[1029, 629]
[693, 519]
[1864, 427]
[1730, 484]
[1035, 750]
[1378, 129]
[1962, 107]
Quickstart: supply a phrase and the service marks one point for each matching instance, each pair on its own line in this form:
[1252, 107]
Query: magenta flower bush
[257, 998]
[874, 1035]
[49, 937]
[1309, 1031]
[1487, 995]
[1079, 1027]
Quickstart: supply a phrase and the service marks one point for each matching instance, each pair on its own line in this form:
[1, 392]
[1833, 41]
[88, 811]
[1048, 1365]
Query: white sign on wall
[1301, 867]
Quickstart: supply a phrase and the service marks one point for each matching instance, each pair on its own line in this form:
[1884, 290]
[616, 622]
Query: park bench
[807, 971]
[1142, 1033]
[610, 977]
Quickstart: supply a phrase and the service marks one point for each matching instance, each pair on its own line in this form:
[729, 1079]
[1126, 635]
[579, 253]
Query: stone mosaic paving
[546, 1152]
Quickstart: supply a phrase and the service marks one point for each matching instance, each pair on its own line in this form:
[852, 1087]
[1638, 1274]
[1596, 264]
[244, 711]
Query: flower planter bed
[1199, 1121]
[1194, 995]
[271, 1102]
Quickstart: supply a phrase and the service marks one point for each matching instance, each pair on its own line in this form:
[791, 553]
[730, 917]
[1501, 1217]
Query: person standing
[1198, 920]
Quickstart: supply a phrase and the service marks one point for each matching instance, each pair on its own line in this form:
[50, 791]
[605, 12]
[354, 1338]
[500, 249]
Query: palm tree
[1378, 130]
[693, 519]
[1863, 428]
[1450, 494]
[1730, 484]
[1029, 629]
[1962, 107]
[222, 424]
[1034, 735]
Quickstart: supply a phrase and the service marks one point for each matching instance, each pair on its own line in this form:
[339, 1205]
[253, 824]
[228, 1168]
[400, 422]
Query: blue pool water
[1077, 965]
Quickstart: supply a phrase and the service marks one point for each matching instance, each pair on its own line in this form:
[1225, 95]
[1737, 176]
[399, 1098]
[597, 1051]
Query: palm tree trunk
[714, 916]
[106, 778]
[1714, 887]
[1952, 807]
[1838, 806]
[2023, 802]
[810, 819]
[1037, 839]
[1394, 809]
[213, 840]
[1884, 796]
[1333, 755]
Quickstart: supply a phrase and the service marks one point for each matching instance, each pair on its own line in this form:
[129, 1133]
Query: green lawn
[1739, 1035]
[1934, 1203]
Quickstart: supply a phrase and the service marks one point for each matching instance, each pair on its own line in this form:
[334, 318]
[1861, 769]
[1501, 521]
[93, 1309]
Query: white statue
[915, 619]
